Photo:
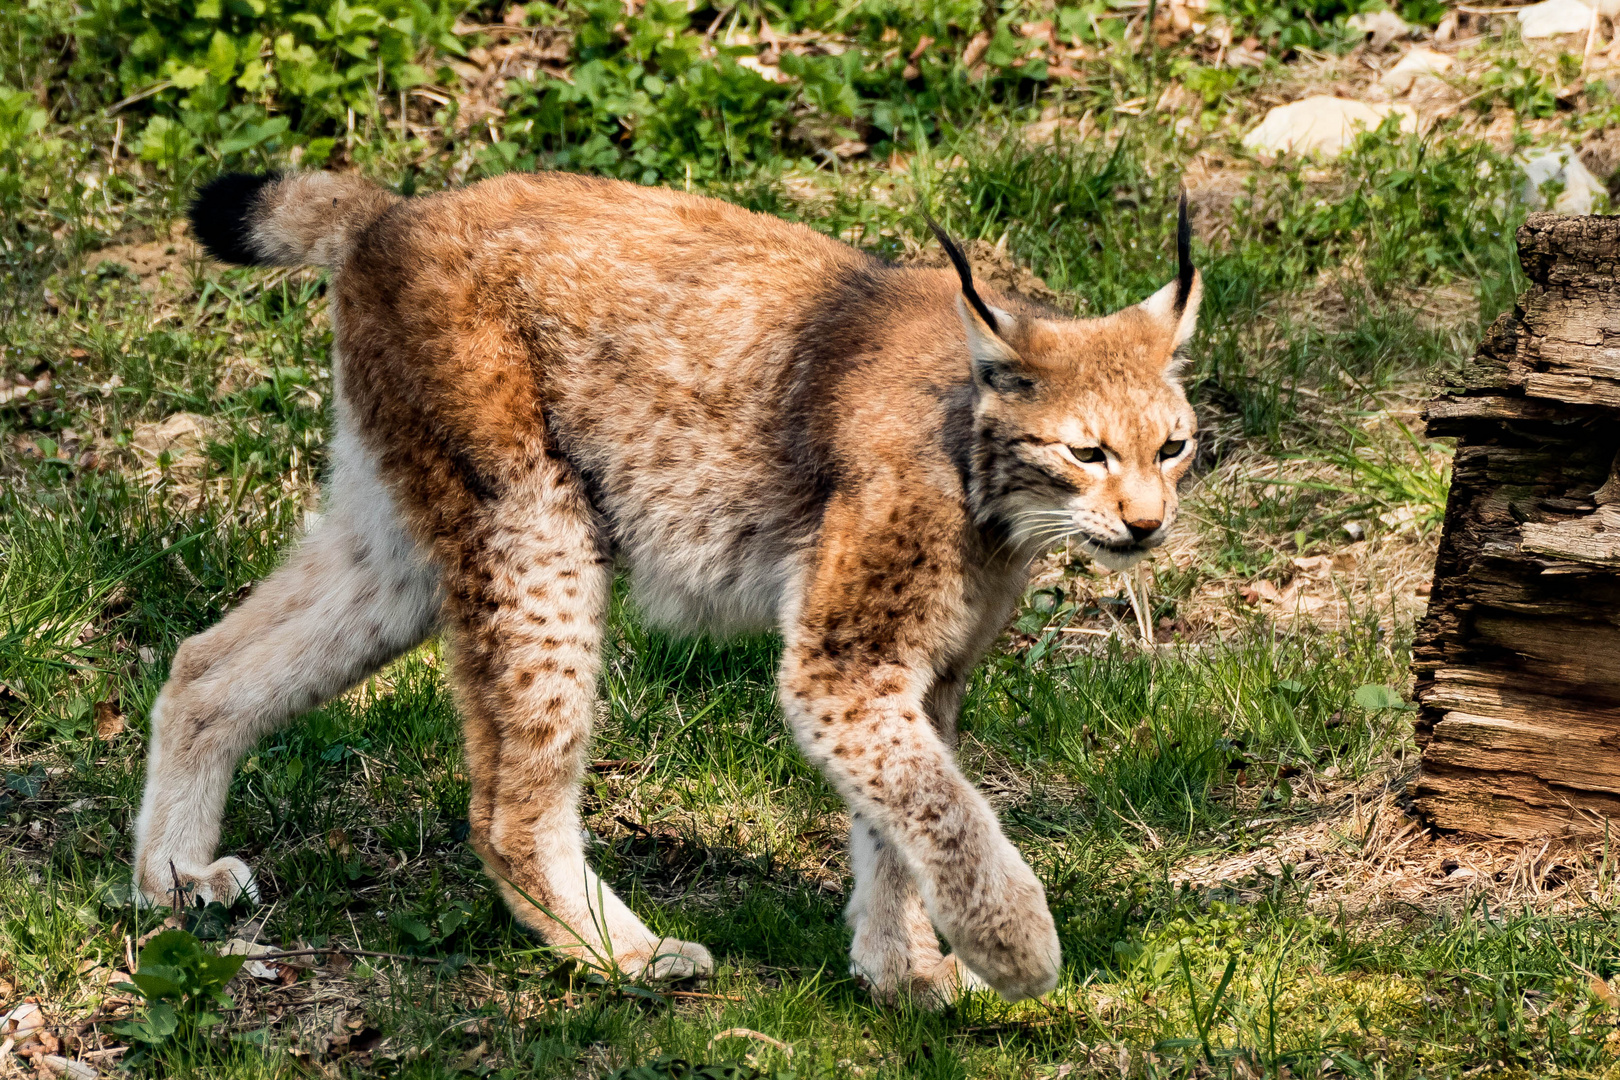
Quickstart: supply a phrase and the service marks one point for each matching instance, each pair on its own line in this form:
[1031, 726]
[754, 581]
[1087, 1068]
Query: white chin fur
[1114, 561]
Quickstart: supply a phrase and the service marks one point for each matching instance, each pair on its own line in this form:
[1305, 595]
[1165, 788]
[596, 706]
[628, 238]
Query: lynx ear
[1177, 303]
[996, 363]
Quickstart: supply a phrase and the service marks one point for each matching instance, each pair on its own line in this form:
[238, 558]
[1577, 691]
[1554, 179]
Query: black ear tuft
[1184, 264]
[965, 272]
[221, 215]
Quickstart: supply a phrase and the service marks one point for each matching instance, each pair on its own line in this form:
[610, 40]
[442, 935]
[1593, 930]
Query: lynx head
[1081, 427]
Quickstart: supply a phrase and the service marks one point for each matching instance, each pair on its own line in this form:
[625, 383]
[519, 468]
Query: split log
[1518, 657]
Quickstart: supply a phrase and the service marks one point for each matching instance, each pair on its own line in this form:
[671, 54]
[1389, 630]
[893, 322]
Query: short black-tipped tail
[292, 219]
[221, 214]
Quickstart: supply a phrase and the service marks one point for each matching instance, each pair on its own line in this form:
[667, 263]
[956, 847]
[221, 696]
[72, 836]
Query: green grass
[1331, 295]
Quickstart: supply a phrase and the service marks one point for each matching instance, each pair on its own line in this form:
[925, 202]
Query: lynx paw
[1008, 939]
[670, 960]
[944, 983]
[1018, 958]
[223, 880]
[933, 984]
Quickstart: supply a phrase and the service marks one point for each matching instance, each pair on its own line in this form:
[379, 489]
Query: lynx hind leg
[527, 605]
[895, 949]
[354, 595]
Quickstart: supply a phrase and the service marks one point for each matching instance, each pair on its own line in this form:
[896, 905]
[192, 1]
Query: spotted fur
[541, 376]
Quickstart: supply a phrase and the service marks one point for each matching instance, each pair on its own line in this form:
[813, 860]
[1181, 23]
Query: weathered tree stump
[1518, 658]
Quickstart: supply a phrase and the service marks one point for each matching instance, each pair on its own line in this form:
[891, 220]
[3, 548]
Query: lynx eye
[1088, 454]
[1172, 448]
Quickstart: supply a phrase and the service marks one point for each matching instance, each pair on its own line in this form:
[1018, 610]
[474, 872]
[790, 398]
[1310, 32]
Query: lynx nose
[1142, 528]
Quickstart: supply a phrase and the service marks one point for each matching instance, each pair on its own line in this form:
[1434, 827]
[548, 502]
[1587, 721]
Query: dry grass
[1365, 853]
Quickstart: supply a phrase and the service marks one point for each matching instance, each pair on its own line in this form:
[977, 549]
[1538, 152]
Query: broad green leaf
[1031, 622]
[147, 46]
[221, 56]
[172, 948]
[219, 970]
[156, 987]
[187, 77]
[249, 137]
[161, 1020]
[254, 75]
[642, 992]
[1374, 697]
[409, 75]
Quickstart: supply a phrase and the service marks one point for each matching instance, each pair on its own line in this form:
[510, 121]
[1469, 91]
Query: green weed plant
[244, 75]
[183, 985]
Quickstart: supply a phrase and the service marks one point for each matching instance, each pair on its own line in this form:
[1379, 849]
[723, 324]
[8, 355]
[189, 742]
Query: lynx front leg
[881, 605]
[870, 736]
[894, 947]
[528, 595]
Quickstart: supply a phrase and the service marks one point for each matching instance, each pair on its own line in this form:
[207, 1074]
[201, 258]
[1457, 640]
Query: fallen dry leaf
[44, 1042]
[975, 49]
[262, 971]
[22, 1024]
[243, 947]
[469, 1061]
[67, 1069]
[109, 721]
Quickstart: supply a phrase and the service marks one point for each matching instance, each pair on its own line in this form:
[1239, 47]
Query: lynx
[540, 378]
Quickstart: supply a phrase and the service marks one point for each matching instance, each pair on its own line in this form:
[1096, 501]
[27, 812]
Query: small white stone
[1322, 126]
[1550, 18]
[1417, 62]
[1560, 164]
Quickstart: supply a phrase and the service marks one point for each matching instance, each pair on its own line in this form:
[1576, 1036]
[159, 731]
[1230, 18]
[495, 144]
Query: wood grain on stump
[1518, 658]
